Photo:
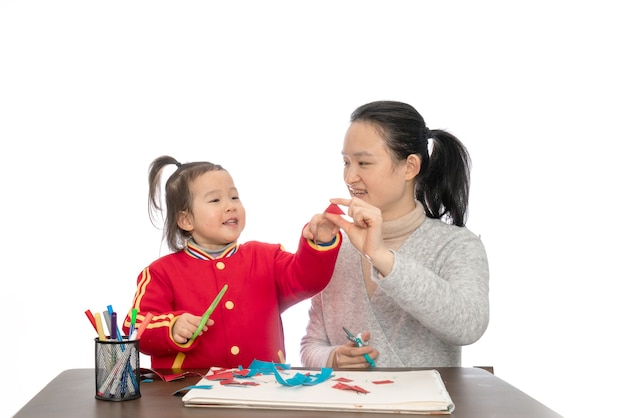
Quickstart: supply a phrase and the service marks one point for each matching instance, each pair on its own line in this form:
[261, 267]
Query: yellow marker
[99, 327]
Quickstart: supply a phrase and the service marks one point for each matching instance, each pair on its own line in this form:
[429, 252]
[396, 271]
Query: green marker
[133, 321]
[208, 312]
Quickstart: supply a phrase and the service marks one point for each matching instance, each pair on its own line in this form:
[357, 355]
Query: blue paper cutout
[184, 390]
[266, 367]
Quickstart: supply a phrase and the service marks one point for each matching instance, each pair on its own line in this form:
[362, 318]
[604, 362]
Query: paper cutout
[148, 374]
[262, 367]
[236, 383]
[413, 392]
[343, 386]
[265, 367]
[382, 382]
[220, 375]
[227, 377]
[333, 208]
[183, 391]
[307, 379]
[236, 377]
[257, 367]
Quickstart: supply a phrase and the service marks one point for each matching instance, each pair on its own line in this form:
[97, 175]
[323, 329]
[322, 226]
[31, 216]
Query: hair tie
[178, 164]
[429, 138]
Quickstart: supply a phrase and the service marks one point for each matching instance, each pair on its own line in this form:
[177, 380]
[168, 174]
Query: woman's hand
[365, 232]
[349, 356]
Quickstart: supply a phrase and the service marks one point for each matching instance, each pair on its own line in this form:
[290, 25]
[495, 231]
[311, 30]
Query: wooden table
[475, 392]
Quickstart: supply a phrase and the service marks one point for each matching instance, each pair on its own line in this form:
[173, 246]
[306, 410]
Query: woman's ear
[184, 221]
[413, 166]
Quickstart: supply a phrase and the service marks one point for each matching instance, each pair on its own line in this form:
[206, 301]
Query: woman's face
[371, 174]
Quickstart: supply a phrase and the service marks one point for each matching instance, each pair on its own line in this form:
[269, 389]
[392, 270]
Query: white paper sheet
[421, 391]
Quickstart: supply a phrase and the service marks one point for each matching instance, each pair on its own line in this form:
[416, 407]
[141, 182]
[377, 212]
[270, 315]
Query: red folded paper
[333, 208]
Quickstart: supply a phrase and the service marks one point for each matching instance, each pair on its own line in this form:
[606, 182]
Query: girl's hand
[186, 325]
[320, 229]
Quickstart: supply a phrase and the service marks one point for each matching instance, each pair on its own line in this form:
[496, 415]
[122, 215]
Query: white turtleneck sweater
[435, 299]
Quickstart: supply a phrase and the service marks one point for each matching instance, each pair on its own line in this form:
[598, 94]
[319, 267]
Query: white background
[91, 92]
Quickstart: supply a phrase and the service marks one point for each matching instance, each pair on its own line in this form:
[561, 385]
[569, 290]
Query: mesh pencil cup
[117, 369]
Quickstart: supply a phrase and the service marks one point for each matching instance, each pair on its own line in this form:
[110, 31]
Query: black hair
[178, 196]
[443, 182]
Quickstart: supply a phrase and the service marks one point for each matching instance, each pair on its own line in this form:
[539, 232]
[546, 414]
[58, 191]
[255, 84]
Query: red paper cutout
[172, 377]
[382, 382]
[226, 375]
[240, 383]
[343, 386]
[333, 208]
[147, 373]
[342, 379]
[241, 372]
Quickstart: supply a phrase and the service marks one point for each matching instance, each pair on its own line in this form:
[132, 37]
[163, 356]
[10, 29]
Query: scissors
[208, 312]
[359, 343]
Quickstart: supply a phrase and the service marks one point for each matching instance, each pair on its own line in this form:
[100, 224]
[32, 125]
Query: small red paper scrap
[382, 382]
[333, 208]
[166, 377]
[342, 379]
[241, 372]
[172, 377]
[343, 386]
[227, 375]
[240, 383]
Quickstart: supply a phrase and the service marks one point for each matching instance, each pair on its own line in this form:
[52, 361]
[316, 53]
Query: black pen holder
[117, 369]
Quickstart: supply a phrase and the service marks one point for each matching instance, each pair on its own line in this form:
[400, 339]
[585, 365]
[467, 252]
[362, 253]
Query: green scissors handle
[208, 312]
[359, 343]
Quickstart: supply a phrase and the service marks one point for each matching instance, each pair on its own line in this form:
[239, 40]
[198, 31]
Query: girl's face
[371, 174]
[217, 215]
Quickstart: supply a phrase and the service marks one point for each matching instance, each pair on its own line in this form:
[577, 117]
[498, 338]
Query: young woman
[411, 279]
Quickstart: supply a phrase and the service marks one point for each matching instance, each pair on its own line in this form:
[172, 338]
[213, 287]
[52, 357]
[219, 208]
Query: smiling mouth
[231, 222]
[356, 192]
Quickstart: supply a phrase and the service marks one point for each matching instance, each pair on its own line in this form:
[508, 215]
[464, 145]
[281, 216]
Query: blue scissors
[359, 343]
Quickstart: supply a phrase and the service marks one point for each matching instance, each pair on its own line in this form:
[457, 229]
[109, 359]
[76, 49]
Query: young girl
[411, 278]
[204, 219]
